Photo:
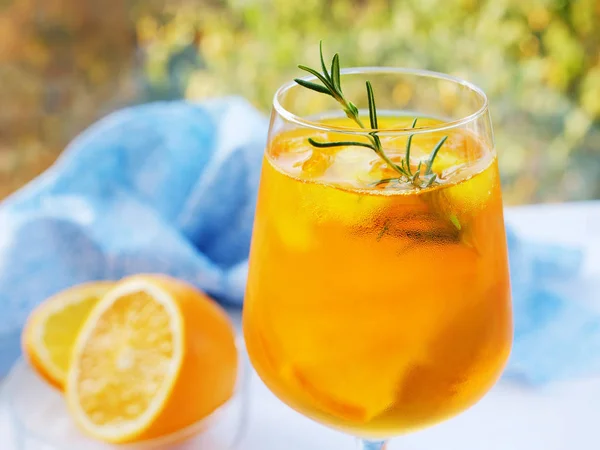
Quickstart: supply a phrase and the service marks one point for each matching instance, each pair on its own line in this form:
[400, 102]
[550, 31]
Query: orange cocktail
[374, 306]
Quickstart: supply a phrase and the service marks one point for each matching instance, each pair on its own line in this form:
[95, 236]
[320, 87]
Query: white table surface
[562, 416]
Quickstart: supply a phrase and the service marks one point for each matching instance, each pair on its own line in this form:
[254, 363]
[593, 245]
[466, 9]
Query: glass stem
[372, 445]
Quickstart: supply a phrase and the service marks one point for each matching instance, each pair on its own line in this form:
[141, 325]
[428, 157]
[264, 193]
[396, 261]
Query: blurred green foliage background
[65, 63]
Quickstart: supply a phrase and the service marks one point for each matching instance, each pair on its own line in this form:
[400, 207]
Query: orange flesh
[51, 329]
[61, 331]
[373, 310]
[133, 338]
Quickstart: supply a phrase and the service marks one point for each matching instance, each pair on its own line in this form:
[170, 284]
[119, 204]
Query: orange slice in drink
[51, 329]
[154, 356]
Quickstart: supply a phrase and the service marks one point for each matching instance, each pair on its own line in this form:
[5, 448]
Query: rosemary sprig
[422, 177]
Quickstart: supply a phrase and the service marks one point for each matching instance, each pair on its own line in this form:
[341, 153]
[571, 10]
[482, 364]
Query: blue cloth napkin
[164, 187]
[170, 187]
[556, 337]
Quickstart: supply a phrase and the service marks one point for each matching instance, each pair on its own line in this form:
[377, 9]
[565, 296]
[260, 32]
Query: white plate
[36, 418]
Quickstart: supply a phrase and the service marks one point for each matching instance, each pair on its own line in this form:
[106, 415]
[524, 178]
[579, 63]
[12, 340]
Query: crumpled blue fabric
[556, 337]
[171, 187]
[164, 187]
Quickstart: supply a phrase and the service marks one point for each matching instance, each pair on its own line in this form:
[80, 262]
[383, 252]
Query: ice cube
[354, 165]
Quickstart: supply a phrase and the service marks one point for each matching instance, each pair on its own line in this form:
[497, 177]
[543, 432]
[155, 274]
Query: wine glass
[378, 297]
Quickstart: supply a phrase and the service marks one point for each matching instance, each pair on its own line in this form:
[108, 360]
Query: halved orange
[51, 329]
[154, 356]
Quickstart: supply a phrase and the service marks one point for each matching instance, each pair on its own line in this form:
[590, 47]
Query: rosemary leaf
[338, 144]
[408, 144]
[353, 108]
[327, 76]
[415, 176]
[321, 78]
[385, 228]
[434, 153]
[384, 181]
[312, 86]
[372, 109]
[335, 72]
[454, 219]
[431, 180]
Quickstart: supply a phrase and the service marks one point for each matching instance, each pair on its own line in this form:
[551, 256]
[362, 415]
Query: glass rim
[291, 117]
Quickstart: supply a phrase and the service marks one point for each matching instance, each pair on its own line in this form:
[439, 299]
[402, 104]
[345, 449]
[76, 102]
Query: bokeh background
[65, 63]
